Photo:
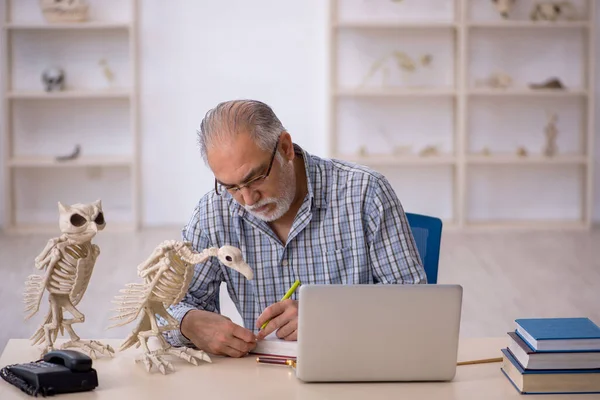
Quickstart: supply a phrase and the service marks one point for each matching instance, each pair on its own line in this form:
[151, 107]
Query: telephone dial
[59, 371]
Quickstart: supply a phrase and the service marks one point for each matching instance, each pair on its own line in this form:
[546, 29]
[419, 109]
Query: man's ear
[287, 146]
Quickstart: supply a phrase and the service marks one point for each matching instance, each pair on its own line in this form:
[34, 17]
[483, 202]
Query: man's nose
[249, 196]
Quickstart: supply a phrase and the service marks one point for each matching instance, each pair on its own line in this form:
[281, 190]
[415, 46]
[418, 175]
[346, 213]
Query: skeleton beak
[244, 269]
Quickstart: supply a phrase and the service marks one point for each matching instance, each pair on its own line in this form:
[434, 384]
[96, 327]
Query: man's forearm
[176, 337]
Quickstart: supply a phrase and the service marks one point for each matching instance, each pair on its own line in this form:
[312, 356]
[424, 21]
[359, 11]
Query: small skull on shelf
[503, 7]
[53, 79]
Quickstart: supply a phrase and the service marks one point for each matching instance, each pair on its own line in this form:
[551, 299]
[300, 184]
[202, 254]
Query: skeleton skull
[53, 79]
[503, 6]
[81, 222]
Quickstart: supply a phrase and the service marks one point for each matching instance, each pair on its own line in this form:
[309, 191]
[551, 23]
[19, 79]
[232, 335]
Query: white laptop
[378, 332]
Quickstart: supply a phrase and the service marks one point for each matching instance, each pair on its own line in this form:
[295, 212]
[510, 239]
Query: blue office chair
[427, 232]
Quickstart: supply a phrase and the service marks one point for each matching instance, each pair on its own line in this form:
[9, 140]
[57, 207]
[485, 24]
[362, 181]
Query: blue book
[529, 381]
[559, 334]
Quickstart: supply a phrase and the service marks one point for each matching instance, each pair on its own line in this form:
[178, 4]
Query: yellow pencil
[287, 296]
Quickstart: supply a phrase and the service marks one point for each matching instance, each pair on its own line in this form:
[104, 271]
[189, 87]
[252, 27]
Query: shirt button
[284, 263]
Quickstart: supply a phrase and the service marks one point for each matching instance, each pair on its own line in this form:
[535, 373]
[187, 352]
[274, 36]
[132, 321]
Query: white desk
[227, 378]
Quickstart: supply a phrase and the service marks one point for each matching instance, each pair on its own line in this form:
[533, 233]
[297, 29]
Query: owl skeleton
[68, 261]
[166, 275]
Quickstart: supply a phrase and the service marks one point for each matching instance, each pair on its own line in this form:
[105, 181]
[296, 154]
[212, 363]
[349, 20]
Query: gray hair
[230, 118]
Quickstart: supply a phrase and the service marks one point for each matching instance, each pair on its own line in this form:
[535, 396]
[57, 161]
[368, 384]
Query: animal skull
[503, 7]
[80, 222]
[53, 79]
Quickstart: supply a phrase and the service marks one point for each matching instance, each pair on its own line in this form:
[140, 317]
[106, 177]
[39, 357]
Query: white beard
[287, 181]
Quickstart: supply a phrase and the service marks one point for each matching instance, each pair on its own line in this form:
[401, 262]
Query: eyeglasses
[251, 184]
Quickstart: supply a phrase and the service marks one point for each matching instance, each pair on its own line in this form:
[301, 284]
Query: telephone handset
[59, 371]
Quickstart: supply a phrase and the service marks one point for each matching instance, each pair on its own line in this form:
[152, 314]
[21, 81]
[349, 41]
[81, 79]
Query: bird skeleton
[166, 275]
[68, 262]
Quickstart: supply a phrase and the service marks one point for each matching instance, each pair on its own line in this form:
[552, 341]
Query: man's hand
[216, 334]
[283, 318]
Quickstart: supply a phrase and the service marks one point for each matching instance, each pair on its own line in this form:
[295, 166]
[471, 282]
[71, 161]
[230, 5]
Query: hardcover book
[532, 359]
[564, 334]
[570, 381]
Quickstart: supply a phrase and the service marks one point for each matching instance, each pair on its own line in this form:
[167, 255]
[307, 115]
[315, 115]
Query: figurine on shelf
[551, 83]
[504, 7]
[68, 262]
[486, 151]
[404, 61]
[399, 61]
[64, 10]
[497, 80]
[53, 79]
[362, 151]
[522, 151]
[166, 275]
[551, 133]
[69, 157]
[426, 60]
[107, 71]
[552, 11]
[429, 151]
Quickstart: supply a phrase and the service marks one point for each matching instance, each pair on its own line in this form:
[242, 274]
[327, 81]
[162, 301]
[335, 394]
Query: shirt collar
[315, 189]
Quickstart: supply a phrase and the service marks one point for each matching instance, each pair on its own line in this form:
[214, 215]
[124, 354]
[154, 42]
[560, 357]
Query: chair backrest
[427, 232]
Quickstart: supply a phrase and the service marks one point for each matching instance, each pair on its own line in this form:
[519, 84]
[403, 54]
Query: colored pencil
[482, 361]
[289, 294]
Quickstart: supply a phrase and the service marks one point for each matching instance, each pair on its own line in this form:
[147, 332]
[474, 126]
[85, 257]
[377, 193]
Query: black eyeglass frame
[237, 188]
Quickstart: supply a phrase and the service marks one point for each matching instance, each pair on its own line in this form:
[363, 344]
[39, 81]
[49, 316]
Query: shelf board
[395, 24]
[391, 160]
[395, 92]
[93, 25]
[87, 161]
[71, 94]
[528, 24]
[526, 225]
[510, 159]
[526, 92]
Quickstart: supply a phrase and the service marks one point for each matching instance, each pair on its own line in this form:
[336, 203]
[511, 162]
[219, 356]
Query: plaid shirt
[350, 229]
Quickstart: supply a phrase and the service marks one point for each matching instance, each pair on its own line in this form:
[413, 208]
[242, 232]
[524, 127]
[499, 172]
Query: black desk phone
[59, 371]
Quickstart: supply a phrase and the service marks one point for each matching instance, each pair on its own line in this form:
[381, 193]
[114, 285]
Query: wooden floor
[505, 275]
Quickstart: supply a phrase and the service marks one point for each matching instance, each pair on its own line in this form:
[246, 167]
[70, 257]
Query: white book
[273, 346]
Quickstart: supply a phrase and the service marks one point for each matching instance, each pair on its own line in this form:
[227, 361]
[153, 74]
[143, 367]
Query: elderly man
[294, 216]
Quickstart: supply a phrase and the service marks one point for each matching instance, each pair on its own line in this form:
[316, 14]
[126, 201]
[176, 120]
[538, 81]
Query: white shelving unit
[383, 119]
[100, 116]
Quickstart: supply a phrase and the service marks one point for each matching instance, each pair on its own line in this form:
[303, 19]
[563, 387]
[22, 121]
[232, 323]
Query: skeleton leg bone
[90, 346]
[190, 355]
[51, 328]
[151, 358]
[154, 357]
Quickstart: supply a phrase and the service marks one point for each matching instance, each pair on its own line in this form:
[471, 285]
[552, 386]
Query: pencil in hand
[289, 294]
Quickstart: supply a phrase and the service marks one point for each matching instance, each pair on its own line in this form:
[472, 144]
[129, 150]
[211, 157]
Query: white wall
[199, 53]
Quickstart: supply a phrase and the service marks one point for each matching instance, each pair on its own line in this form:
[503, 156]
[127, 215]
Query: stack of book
[553, 355]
